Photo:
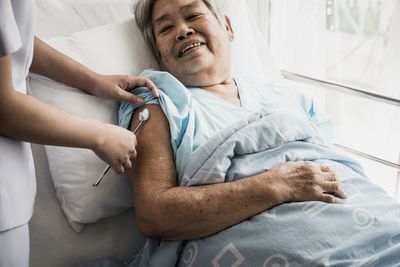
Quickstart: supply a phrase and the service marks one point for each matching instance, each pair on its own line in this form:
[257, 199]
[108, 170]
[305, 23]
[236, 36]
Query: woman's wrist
[272, 186]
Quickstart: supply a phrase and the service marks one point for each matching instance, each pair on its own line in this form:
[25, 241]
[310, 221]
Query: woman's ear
[229, 29]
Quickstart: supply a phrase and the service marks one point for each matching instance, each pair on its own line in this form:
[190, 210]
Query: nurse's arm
[25, 118]
[61, 68]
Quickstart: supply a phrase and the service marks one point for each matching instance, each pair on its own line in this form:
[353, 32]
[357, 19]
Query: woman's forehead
[162, 8]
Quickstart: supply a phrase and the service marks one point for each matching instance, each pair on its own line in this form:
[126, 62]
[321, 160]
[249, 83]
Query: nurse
[25, 119]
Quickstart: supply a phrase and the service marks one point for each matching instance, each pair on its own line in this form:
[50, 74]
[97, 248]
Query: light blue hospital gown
[195, 115]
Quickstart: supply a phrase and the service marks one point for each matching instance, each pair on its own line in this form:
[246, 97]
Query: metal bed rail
[351, 91]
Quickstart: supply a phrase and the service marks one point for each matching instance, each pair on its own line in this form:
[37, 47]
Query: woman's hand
[117, 147]
[307, 181]
[115, 87]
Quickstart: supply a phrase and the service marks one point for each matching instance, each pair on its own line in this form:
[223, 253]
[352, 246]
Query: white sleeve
[10, 40]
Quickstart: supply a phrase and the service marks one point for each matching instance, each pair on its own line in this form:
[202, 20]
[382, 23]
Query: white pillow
[61, 17]
[118, 49]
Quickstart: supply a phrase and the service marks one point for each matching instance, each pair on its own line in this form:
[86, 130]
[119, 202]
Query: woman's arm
[166, 211]
[25, 118]
[57, 66]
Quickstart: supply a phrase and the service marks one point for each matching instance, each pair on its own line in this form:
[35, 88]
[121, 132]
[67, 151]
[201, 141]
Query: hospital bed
[73, 221]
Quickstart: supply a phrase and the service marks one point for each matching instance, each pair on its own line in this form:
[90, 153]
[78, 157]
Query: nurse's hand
[116, 87]
[117, 147]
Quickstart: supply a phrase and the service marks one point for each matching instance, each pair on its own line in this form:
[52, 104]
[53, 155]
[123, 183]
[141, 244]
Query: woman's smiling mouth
[188, 46]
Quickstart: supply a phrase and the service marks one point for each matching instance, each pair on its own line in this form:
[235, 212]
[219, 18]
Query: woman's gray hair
[143, 10]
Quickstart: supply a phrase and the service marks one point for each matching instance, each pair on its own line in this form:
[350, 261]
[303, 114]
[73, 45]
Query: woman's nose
[183, 33]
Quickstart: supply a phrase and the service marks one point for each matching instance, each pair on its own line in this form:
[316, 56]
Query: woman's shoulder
[167, 83]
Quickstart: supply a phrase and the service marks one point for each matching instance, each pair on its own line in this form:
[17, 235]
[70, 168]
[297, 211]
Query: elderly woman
[199, 98]
[192, 41]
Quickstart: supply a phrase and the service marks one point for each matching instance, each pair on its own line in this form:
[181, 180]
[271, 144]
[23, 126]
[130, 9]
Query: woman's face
[193, 45]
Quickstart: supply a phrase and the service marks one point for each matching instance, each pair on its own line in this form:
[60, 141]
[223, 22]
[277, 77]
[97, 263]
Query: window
[354, 45]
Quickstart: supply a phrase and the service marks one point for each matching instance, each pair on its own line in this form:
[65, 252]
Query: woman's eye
[166, 28]
[193, 16]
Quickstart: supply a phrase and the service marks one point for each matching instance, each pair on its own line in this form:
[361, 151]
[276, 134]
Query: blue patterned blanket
[363, 230]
